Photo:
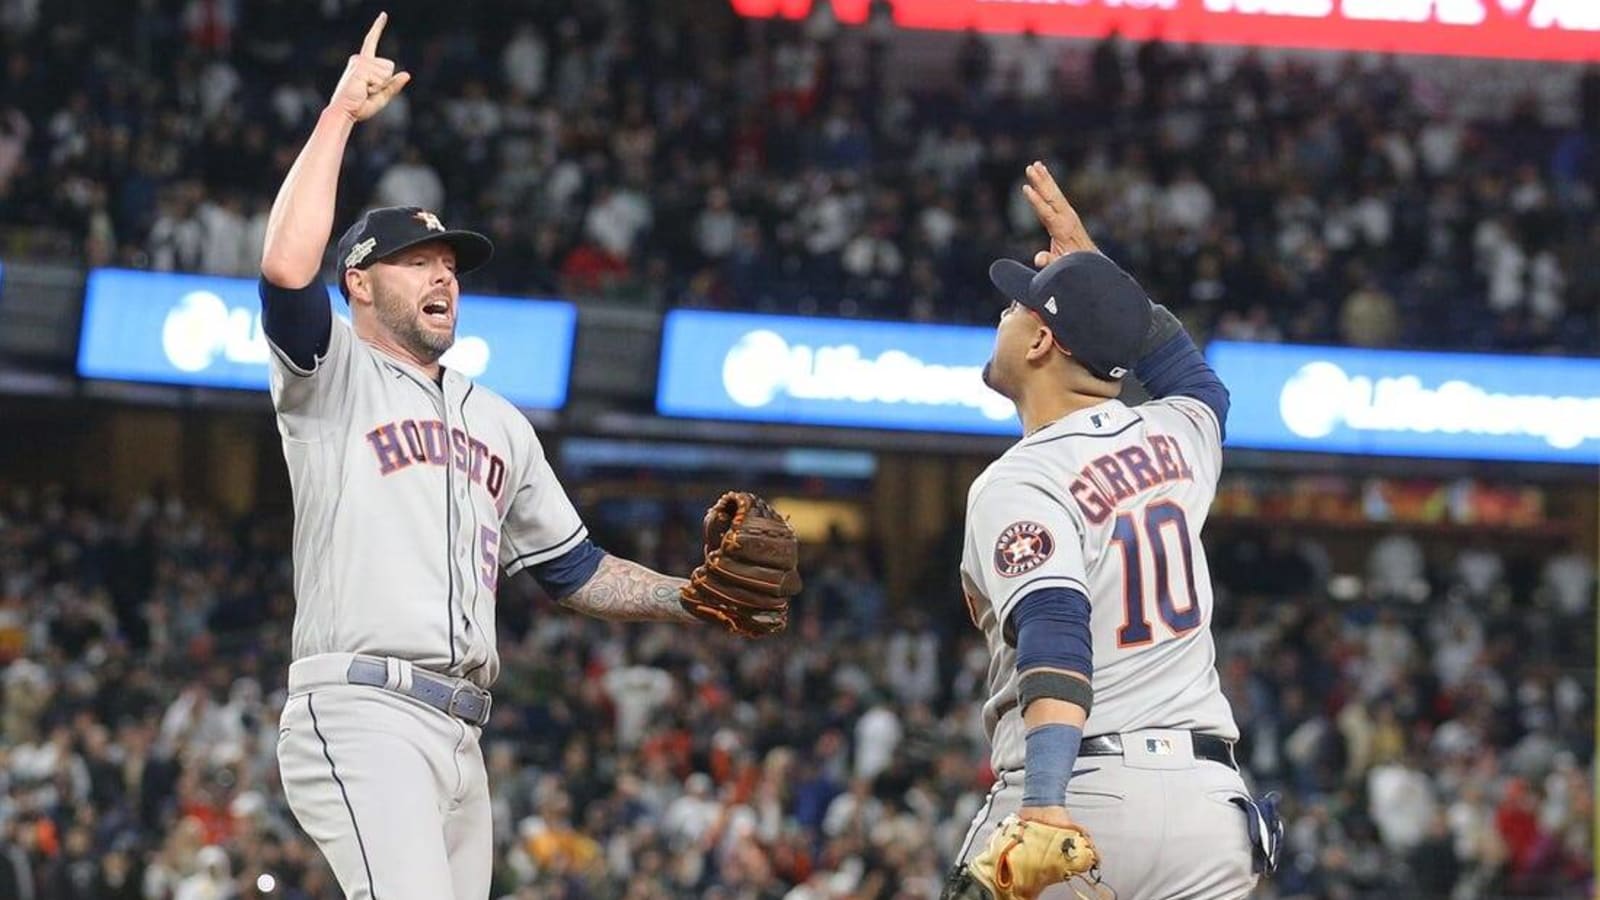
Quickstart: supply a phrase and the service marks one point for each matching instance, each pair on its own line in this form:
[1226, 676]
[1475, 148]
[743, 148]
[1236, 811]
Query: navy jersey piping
[1136, 420]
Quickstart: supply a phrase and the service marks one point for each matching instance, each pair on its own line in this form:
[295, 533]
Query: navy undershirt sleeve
[1178, 368]
[298, 321]
[562, 576]
[1053, 631]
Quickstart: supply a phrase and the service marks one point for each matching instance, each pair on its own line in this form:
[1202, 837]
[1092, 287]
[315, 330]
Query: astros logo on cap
[430, 220]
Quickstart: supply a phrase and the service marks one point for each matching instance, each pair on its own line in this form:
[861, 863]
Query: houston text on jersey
[399, 444]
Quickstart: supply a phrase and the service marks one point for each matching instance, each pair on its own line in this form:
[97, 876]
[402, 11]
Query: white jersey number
[1164, 521]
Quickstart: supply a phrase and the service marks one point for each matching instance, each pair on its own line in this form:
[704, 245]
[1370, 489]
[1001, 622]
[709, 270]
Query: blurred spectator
[1369, 317]
[210, 880]
[1569, 579]
[223, 250]
[878, 734]
[636, 692]
[178, 239]
[1395, 568]
[1402, 805]
[15, 132]
[526, 60]
[410, 181]
[1479, 570]
[616, 219]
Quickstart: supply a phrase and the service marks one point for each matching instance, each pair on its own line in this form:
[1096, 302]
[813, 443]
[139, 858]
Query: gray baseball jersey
[409, 498]
[1109, 501]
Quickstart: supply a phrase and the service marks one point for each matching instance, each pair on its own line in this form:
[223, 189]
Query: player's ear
[1042, 344]
[357, 284]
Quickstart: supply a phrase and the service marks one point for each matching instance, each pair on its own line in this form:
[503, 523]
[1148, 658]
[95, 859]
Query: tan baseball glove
[751, 568]
[1023, 858]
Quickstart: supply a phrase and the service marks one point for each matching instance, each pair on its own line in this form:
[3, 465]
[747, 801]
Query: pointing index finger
[369, 46]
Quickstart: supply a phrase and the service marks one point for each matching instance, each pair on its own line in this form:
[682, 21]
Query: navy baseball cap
[1096, 311]
[383, 232]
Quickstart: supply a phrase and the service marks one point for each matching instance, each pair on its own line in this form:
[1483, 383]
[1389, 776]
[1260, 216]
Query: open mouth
[437, 311]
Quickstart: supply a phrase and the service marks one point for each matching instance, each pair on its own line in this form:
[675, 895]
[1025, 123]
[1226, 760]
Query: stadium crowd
[1433, 735]
[1434, 749]
[669, 154]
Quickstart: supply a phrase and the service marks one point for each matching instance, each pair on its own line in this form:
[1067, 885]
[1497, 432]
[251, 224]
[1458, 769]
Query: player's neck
[1037, 412]
[398, 352]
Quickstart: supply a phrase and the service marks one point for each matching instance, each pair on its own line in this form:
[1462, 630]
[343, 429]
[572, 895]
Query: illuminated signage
[829, 372]
[205, 331]
[1397, 403]
[1517, 29]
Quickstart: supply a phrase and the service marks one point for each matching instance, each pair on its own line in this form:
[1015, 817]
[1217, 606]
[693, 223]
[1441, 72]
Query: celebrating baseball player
[413, 487]
[1083, 567]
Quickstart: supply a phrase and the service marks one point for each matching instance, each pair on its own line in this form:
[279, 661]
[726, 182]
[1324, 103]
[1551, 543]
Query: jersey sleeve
[1178, 368]
[296, 321]
[540, 523]
[1022, 539]
[1196, 425]
[305, 395]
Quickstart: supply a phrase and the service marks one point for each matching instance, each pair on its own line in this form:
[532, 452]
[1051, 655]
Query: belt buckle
[480, 720]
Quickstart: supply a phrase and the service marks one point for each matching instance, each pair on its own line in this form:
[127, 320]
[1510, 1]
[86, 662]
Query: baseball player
[413, 488]
[1083, 567]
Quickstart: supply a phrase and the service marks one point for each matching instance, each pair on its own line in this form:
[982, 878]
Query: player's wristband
[1051, 752]
[1163, 327]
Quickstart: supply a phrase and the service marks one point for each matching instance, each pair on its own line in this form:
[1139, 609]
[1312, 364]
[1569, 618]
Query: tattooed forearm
[624, 591]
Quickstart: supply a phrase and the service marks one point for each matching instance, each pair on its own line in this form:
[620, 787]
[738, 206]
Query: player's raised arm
[1169, 362]
[302, 214]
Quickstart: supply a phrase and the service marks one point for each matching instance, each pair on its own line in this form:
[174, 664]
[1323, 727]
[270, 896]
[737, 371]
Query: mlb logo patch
[1158, 746]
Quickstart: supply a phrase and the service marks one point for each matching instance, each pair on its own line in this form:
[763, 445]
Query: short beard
[405, 325]
[990, 379]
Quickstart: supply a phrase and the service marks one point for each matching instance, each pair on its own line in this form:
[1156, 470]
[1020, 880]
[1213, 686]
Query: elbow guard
[1042, 684]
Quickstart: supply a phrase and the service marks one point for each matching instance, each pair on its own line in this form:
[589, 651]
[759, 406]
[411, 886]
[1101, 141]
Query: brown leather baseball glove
[750, 570]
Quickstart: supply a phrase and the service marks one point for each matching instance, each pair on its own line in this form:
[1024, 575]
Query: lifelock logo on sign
[763, 366]
[202, 328]
[1322, 396]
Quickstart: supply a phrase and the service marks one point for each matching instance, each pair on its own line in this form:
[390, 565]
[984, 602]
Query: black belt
[1206, 746]
[451, 696]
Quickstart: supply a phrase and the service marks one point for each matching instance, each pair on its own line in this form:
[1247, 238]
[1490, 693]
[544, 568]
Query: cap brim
[1012, 278]
[472, 249]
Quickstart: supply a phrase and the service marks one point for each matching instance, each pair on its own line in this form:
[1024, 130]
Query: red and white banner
[1564, 30]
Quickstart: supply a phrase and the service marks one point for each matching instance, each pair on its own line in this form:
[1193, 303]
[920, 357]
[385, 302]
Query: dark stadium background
[1408, 643]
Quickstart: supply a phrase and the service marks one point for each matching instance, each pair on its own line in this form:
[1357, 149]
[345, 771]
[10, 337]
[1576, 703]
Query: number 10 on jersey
[1162, 523]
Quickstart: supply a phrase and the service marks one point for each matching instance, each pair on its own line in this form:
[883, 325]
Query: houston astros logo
[430, 220]
[1022, 547]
